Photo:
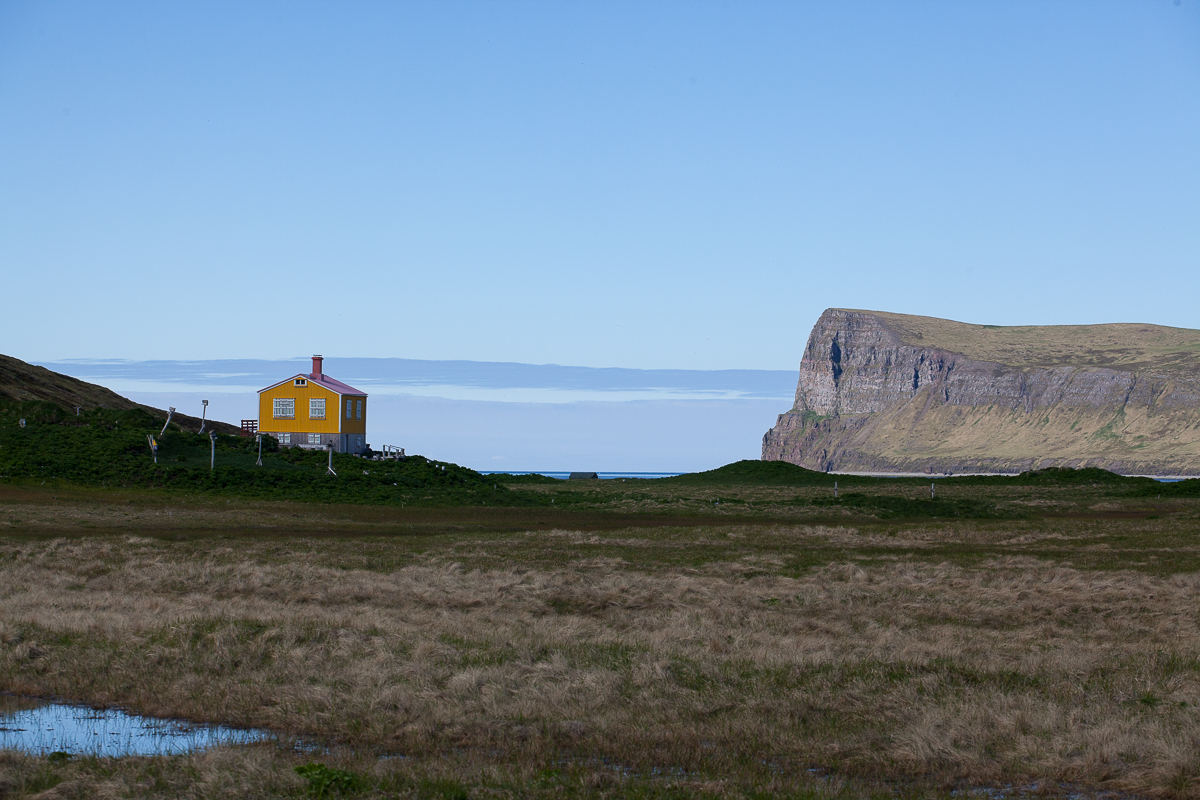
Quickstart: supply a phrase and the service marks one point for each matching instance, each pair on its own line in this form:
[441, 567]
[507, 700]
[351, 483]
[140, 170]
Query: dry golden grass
[731, 658]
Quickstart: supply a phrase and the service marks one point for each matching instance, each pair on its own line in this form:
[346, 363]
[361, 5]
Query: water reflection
[38, 727]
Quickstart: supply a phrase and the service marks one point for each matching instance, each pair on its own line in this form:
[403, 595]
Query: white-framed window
[314, 438]
[316, 408]
[285, 408]
[300, 382]
[358, 409]
[349, 406]
[284, 438]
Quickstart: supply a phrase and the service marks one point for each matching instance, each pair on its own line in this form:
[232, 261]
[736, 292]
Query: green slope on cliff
[1125, 346]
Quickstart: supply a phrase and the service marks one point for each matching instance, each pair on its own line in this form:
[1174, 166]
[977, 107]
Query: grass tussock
[622, 662]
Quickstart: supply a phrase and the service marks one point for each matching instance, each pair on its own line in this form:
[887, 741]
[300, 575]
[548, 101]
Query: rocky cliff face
[892, 393]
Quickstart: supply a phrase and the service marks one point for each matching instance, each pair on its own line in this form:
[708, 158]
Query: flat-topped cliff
[881, 392]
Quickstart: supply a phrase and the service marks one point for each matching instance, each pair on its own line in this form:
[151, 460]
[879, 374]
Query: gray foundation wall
[352, 443]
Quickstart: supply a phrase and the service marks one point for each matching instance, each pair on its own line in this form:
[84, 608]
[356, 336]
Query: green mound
[1069, 476]
[755, 473]
[782, 473]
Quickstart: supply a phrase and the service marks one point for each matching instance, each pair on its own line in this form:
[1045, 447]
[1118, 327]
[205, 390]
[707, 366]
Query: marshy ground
[646, 639]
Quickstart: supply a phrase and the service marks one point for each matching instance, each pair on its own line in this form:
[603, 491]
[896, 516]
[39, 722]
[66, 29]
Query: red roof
[332, 384]
[335, 385]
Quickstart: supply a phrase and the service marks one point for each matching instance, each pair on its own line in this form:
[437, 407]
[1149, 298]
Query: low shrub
[324, 780]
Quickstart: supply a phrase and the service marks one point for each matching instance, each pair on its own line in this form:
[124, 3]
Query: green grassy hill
[80, 433]
[22, 383]
[109, 448]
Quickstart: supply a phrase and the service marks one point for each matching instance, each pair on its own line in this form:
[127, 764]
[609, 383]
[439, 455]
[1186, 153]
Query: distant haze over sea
[498, 415]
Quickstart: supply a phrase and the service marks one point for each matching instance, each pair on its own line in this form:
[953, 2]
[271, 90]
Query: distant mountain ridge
[884, 392]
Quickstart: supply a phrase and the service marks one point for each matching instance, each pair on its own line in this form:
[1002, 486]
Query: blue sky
[643, 185]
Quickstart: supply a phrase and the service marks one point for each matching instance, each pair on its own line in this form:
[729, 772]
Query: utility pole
[203, 415]
[212, 437]
[170, 411]
[331, 472]
[259, 437]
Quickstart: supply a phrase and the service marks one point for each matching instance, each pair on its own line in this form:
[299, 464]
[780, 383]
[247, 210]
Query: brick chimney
[317, 362]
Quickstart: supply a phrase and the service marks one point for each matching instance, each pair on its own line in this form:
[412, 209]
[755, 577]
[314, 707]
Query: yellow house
[314, 410]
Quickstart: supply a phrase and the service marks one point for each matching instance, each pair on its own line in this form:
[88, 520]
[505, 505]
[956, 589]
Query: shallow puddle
[38, 727]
